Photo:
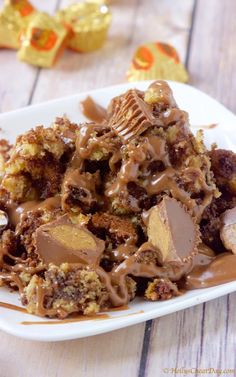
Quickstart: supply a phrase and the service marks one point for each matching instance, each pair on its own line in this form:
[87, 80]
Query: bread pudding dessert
[130, 204]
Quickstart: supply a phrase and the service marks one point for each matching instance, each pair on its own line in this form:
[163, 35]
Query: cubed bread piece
[66, 289]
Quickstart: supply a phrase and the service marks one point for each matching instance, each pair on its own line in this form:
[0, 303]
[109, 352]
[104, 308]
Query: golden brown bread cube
[35, 167]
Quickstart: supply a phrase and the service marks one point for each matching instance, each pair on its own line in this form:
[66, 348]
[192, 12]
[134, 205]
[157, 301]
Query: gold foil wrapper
[15, 16]
[42, 41]
[156, 61]
[88, 25]
[100, 2]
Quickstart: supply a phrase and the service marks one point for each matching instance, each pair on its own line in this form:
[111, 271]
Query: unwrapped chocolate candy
[131, 116]
[42, 41]
[87, 23]
[228, 230]
[156, 60]
[62, 241]
[172, 231]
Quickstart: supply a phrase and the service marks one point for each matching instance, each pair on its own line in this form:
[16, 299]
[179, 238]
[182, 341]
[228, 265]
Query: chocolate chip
[156, 166]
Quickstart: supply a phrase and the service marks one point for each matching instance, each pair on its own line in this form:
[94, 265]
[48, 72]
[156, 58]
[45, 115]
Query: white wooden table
[204, 33]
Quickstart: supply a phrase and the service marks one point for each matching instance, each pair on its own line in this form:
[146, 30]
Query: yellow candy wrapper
[15, 15]
[43, 41]
[106, 2]
[156, 61]
[88, 25]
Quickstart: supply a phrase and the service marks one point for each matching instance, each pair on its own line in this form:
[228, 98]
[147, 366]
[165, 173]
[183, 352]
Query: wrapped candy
[98, 1]
[15, 16]
[87, 23]
[156, 61]
[42, 41]
[40, 38]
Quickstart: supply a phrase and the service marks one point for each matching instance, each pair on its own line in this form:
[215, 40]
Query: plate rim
[111, 87]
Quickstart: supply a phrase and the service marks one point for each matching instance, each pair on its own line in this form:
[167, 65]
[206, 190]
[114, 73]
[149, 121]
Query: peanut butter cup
[172, 231]
[62, 241]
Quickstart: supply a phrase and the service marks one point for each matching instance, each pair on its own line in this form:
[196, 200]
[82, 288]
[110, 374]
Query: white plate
[203, 110]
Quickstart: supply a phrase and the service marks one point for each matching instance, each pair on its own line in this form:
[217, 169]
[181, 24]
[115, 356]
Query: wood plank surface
[17, 80]
[177, 340]
[110, 354]
[212, 59]
[204, 336]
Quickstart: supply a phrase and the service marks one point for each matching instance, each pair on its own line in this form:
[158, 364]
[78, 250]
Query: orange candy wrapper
[15, 15]
[42, 41]
[88, 25]
[156, 60]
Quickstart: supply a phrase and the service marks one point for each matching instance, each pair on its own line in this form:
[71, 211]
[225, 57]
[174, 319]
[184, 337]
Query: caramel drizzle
[175, 116]
[13, 278]
[92, 136]
[115, 281]
[152, 148]
[13, 307]
[94, 317]
[206, 126]
[216, 270]
[165, 181]
[206, 275]
[10, 273]
[86, 181]
[16, 212]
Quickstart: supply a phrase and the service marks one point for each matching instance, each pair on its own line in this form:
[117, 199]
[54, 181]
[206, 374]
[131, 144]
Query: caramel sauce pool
[119, 308]
[81, 318]
[219, 270]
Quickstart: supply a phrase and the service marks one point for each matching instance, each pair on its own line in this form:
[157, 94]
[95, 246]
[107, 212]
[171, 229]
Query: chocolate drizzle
[15, 212]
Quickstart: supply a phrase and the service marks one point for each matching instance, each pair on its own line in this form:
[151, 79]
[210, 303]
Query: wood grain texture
[177, 340]
[203, 336]
[212, 61]
[17, 80]
[110, 354]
